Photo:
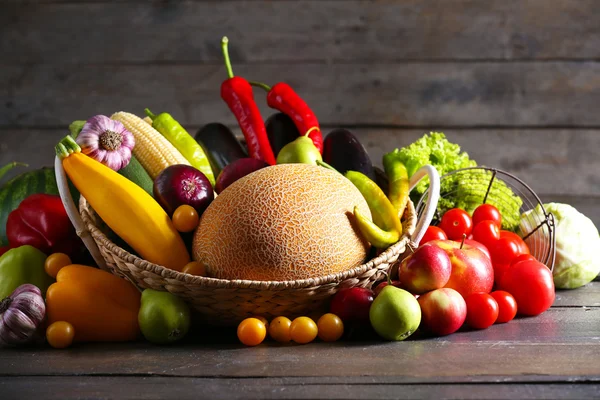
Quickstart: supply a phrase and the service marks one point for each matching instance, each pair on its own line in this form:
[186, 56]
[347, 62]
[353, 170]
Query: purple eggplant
[343, 151]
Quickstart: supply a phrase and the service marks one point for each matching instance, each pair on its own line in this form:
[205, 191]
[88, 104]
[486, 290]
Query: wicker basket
[227, 302]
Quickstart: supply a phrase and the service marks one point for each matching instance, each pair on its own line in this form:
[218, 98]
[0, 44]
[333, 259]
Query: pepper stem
[224, 42]
[261, 85]
[66, 147]
[462, 243]
[4, 304]
[150, 114]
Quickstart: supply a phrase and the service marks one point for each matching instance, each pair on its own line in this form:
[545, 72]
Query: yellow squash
[125, 207]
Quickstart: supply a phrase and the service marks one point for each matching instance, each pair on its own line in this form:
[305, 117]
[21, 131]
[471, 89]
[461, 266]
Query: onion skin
[182, 184]
[21, 314]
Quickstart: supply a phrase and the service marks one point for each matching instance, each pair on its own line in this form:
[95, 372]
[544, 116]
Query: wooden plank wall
[515, 82]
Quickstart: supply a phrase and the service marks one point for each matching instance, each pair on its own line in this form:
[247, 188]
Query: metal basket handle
[73, 213]
[432, 199]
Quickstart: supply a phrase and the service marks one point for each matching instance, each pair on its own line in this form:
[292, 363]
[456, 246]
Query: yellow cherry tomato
[331, 327]
[185, 218]
[55, 262]
[262, 319]
[251, 331]
[303, 330]
[60, 334]
[194, 268]
[279, 329]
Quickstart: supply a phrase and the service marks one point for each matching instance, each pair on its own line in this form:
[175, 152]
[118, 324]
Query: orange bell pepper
[101, 307]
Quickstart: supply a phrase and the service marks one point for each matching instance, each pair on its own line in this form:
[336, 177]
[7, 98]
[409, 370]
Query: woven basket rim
[88, 216]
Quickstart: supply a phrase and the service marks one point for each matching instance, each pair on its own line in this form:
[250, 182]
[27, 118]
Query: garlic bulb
[107, 141]
[21, 314]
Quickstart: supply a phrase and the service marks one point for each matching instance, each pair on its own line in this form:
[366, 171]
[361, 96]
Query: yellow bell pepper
[101, 307]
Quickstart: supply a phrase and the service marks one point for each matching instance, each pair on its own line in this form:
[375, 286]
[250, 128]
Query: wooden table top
[554, 355]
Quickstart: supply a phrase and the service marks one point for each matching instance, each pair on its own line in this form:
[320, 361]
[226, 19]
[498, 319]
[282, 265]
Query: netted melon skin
[284, 222]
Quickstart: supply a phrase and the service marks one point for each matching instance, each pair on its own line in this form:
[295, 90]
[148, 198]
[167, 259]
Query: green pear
[395, 313]
[300, 151]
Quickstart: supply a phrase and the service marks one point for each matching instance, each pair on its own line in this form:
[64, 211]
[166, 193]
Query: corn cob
[152, 149]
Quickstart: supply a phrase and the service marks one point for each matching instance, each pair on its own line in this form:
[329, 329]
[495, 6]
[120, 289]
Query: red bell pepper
[42, 222]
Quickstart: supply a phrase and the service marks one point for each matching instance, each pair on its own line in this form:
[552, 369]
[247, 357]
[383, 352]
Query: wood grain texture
[414, 94]
[524, 350]
[63, 388]
[325, 31]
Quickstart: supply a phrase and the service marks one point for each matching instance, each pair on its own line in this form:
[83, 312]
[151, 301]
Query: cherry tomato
[482, 310]
[55, 262]
[60, 334]
[194, 268]
[352, 304]
[433, 233]
[523, 248]
[504, 251]
[507, 306]
[330, 327]
[456, 223]
[251, 331]
[279, 329]
[486, 232]
[185, 218]
[262, 319]
[532, 286]
[303, 330]
[487, 212]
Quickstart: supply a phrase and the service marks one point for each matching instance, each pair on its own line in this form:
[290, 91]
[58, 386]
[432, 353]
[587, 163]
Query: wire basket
[469, 187]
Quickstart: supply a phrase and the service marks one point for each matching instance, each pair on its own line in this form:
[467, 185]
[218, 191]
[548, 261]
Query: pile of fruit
[287, 205]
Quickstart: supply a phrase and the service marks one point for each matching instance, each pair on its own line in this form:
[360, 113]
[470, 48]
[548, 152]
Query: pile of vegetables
[150, 182]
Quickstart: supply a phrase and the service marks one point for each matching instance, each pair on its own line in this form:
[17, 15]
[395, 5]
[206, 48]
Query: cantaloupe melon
[284, 222]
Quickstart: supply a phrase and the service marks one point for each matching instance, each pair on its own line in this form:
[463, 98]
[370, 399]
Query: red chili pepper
[283, 98]
[237, 93]
[42, 222]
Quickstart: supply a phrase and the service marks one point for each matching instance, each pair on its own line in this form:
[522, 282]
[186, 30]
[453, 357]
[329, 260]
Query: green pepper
[163, 317]
[24, 264]
[398, 180]
[183, 141]
[386, 228]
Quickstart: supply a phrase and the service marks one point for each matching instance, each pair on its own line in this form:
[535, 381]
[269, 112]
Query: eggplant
[381, 179]
[281, 130]
[344, 152]
[220, 146]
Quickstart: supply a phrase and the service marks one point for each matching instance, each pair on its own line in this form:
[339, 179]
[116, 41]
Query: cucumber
[22, 186]
[138, 175]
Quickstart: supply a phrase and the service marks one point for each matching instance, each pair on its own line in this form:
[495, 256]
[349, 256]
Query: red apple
[472, 270]
[480, 246]
[443, 311]
[428, 268]
[352, 304]
[383, 284]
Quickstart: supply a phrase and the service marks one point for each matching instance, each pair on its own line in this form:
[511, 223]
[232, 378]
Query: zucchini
[138, 175]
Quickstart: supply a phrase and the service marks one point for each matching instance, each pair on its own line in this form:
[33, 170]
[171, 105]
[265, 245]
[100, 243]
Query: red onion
[21, 314]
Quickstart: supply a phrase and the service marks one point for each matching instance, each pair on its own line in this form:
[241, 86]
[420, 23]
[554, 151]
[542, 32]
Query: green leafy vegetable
[465, 190]
[577, 242]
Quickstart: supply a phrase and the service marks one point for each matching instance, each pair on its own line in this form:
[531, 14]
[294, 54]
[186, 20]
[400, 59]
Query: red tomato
[507, 306]
[499, 271]
[522, 257]
[433, 233]
[531, 284]
[486, 232]
[456, 223]
[523, 248]
[487, 212]
[482, 310]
